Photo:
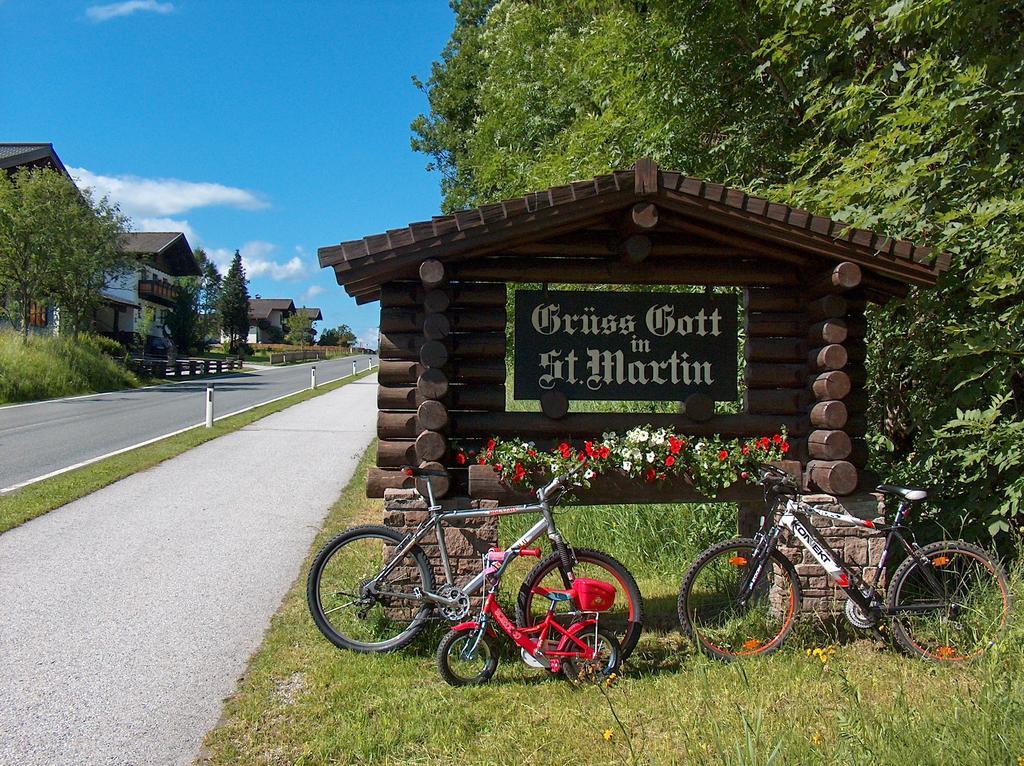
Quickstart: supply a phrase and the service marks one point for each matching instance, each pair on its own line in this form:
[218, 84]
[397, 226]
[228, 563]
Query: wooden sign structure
[442, 287]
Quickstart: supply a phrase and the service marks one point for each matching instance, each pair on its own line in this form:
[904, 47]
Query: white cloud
[168, 224]
[148, 197]
[311, 292]
[258, 262]
[368, 338]
[113, 10]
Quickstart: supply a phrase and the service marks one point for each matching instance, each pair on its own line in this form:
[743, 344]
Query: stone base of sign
[859, 548]
[467, 541]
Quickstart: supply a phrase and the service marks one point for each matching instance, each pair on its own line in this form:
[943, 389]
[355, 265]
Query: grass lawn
[37, 499]
[304, 702]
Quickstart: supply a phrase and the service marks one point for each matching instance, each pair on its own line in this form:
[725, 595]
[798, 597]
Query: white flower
[658, 437]
[626, 465]
[588, 474]
[650, 457]
[554, 468]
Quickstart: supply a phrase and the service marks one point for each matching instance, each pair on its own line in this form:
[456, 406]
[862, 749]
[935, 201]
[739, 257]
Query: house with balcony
[268, 319]
[138, 301]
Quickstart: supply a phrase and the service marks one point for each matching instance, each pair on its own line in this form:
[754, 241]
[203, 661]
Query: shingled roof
[739, 219]
[260, 308]
[31, 155]
[168, 250]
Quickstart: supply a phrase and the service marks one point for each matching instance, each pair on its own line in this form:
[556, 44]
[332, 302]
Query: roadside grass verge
[45, 367]
[304, 702]
[36, 499]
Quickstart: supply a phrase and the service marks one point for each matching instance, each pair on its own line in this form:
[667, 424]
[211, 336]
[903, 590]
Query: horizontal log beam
[830, 385]
[413, 294]
[591, 424]
[775, 350]
[776, 401]
[395, 453]
[758, 325]
[827, 307]
[765, 375]
[380, 479]
[773, 300]
[397, 425]
[842, 277]
[828, 445]
[829, 414]
[481, 319]
[828, 331]
[490, 398]
[835, 477]
[484, 484]
[468, 345]
[653, 271]
[827, 358]
[405, 373]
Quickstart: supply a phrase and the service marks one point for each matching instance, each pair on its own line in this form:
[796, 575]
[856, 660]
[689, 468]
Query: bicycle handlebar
[557, 483]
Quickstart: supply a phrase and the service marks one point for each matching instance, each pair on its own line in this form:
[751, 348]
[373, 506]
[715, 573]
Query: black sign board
[625, 345]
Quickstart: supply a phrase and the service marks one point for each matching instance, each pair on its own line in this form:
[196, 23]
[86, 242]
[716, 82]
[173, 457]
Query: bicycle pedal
[530, 660]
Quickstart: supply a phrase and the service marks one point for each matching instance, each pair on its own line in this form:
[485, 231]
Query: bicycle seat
[553, 595]
[908, 493]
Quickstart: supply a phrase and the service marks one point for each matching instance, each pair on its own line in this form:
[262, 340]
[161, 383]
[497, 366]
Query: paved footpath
[127, 617]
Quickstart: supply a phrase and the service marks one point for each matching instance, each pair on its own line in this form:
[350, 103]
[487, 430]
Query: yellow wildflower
[816, 738]
[607, 734]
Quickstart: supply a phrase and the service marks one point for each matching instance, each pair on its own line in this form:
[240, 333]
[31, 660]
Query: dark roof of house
[260, 308]
[32, 155]
[168, 250]
[736, 218]
[312, 312]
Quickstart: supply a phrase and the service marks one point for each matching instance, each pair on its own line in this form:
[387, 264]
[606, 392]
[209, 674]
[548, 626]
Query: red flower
[472, 453]
[674, 445]
[531, 452]
[670, 461]
[481, 461]
[744, 475]
[520, 472]
[649, 476]
[604, 452]
[723, 455]
[746, 449]
[777, 438]
[588, 447]
[460, 458]
[763, 442]
[581, 457]
[498, 467]
[784, 447]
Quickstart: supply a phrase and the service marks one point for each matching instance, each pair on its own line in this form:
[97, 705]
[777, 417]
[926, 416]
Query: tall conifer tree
[233, 305]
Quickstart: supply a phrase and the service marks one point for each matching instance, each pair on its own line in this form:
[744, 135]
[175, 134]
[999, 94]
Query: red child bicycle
[468, 654]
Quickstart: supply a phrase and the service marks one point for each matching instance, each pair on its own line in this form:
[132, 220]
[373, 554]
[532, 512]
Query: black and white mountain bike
[946, 601]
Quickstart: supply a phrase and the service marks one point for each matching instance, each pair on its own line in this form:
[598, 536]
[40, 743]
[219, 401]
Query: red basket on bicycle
[593, 595]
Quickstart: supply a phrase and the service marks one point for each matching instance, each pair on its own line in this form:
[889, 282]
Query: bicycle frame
[864, 595]
[437, 520]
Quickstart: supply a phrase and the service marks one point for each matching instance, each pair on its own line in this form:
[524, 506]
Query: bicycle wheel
[463, 664]
[954, 610]
[624, 620]
[606, 660]
[355, 614]
[709, 610]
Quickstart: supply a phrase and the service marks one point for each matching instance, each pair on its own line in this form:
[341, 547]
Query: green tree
[906, 118]
[233, 304]
[300, 328]
[341, 335]
[209, 288]
[183, 321]
[56, 245]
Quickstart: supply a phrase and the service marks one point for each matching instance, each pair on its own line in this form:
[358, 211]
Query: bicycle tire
[581, 670]
[626, 585]
[948, 633]
[415, 568]
[687, 602]
[444, 653]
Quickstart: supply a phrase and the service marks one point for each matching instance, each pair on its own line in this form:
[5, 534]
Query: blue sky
[274, 128]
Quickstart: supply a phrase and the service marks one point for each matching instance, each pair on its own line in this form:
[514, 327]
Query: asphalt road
[39, 438]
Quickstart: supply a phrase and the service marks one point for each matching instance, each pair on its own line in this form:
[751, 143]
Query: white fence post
[209, 406]
[353, 366]
[312, 376]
